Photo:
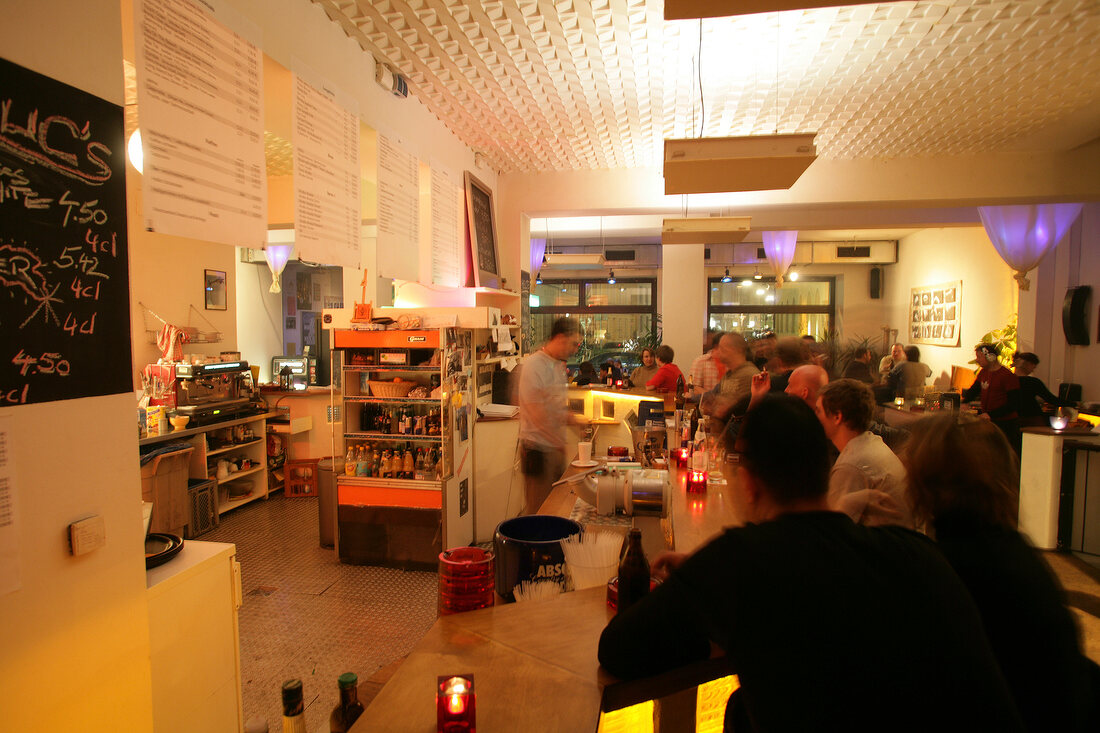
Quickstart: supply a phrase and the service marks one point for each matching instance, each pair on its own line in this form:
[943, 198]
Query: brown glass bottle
[633, 572]
[349, 709]
[294, 716]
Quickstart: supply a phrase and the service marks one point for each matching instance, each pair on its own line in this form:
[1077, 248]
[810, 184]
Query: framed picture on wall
[481, 229]
[936, 320]
[214, 288]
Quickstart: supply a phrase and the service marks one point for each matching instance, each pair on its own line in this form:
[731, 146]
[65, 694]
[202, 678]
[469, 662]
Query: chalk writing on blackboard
[64, 310]
[479, 212]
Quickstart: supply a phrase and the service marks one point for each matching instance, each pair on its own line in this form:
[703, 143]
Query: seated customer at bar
[831, 626]
[667, 372]
[867, 482]
[645, 372]
[1033, 392]
[962, 483]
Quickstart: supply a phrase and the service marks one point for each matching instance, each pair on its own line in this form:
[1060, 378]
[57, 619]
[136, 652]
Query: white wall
[260, 314]
[934, 256]
[1075, 261]
[74, 638]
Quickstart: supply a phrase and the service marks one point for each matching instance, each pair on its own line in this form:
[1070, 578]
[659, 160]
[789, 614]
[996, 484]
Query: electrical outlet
[87, 535]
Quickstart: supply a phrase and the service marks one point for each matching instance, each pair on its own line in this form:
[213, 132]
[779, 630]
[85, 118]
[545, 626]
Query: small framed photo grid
[935, 314]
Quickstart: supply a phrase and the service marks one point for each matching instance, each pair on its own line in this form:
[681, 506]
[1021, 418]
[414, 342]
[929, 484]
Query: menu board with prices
[200, 88]
[327, 219]
[65, 314]
[447, 230]
[398, 211]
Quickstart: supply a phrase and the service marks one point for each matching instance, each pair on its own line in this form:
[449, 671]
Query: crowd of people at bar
[879, 580]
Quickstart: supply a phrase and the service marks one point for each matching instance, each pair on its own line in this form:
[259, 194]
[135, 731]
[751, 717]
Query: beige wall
[934, 256]
[74, 638]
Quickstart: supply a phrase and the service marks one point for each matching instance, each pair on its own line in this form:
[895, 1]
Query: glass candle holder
[466, 580]
[455, 704]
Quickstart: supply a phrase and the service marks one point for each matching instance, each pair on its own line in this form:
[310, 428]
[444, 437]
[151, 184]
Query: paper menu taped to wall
[10, 579]
[502, 335]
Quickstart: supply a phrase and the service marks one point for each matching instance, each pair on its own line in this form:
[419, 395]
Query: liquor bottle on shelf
[362, 467]
[348, 710]
[349, 461]
[633, 572]
[294, 712]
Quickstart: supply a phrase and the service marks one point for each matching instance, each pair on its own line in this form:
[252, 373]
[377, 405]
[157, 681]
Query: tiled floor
[305, 615]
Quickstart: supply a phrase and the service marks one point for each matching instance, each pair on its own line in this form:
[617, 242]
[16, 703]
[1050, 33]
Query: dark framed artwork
[214, 288]
[481, 229]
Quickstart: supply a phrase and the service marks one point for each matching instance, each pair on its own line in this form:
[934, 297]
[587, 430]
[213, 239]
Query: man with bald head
[803, 382]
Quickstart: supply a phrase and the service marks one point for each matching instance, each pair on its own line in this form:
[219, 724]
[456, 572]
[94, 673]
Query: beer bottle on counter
[680, 392]
[633, 572]
[294, 711]
[349, 708]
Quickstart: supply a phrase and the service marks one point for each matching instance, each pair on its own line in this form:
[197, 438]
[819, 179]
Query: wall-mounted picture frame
[214, 290]
[936, 314]
[481, 233]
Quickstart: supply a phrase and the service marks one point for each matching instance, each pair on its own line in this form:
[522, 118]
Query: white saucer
[584, 464]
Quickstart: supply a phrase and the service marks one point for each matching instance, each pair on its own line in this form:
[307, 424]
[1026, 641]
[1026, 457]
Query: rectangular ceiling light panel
[685, 9]
[721, 164]
[707, 230]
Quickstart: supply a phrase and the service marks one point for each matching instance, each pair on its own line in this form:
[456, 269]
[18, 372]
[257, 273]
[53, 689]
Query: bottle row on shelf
[375, 418]
[392, 460]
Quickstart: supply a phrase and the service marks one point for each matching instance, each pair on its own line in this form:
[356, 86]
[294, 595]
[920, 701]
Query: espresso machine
[209, 393]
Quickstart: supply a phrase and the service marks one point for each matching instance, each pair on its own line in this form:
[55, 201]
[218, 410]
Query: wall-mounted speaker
[876, 283]
[1075, 315]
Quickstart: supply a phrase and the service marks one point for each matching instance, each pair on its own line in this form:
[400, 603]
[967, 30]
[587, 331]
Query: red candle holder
[466, 580]
[697, 481]
[682, 457]
[455, 704]
[619, 383]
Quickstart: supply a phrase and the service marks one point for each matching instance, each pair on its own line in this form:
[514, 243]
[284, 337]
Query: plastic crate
[301, 477]
[204, 507]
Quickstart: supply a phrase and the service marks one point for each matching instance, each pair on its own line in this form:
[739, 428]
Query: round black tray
[160, 548]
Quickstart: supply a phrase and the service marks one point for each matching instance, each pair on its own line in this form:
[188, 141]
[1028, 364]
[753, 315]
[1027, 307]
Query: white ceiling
[539, 85]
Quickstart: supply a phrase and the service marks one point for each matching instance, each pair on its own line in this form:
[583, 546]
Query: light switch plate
[87, 535]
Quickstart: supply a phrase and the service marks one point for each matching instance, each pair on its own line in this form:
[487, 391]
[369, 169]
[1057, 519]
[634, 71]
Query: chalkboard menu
[65, 310]
[482, 233]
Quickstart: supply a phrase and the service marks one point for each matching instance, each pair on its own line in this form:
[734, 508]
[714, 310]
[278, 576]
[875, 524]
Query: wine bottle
[680, 392]
[348, 710]
[633, 572]
[294, 711]
[699, 457]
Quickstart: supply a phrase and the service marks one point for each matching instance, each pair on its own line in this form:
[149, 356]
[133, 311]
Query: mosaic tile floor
[305, 615]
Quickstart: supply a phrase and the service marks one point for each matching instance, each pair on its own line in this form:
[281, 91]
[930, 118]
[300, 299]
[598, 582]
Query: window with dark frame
[750, 306]
[617, 320]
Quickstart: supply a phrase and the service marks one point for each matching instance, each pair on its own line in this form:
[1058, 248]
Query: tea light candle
[455, 704]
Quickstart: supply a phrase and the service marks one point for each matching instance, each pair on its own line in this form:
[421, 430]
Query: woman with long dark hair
[963, 479]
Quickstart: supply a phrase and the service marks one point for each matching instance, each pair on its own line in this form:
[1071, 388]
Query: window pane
[551, 293]
[618, 294]
[751, 292]
[753, 325]
[605, 336]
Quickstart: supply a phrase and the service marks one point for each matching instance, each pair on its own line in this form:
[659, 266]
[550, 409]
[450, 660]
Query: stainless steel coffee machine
[211, 392]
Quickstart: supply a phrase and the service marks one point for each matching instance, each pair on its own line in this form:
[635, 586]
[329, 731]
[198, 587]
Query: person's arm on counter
[660, 632]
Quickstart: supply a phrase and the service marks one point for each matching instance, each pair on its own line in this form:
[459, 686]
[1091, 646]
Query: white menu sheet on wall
[200, 102]
[327, 218]
[398, 211]
[10, 579]
[448, 267]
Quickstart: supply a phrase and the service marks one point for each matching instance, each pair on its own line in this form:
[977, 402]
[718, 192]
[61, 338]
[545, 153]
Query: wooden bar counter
[534, 664]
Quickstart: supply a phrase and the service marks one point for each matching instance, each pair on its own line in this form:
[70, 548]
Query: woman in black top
[963, 479]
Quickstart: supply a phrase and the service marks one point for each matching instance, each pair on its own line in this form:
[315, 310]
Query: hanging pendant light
[756, 274]
[610, 277]
[726, 278]
[277, 256]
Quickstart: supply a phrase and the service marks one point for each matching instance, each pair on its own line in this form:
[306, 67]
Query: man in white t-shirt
[867, 482]
[543, 412]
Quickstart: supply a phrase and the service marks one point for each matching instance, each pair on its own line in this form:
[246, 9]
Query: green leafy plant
[840, 355]
[1005, 339]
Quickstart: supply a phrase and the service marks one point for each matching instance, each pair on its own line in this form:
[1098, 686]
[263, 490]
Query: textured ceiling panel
[587, 84]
